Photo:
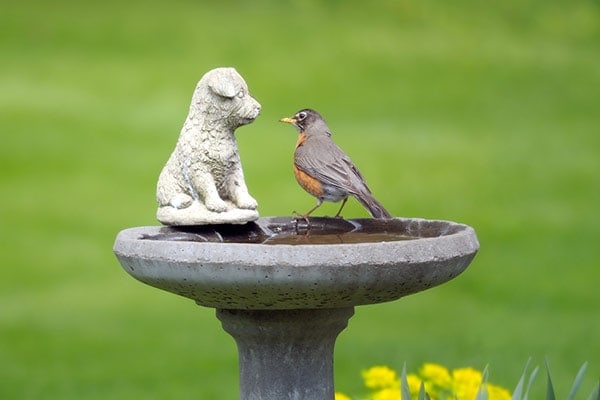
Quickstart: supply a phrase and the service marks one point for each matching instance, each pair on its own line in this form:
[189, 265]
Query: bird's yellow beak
[288, 120]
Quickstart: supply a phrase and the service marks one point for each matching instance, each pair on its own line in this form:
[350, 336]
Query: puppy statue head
[222, 96]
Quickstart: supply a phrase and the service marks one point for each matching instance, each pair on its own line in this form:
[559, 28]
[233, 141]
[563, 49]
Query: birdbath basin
[285, 291]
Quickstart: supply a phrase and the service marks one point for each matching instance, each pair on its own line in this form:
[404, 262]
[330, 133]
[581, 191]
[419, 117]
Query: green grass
[482, 114]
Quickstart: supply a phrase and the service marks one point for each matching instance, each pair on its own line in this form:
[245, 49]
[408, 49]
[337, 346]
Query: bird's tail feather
[376, 209]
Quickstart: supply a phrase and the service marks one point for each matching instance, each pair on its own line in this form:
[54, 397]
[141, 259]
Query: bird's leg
[305, 216]
[340, 210]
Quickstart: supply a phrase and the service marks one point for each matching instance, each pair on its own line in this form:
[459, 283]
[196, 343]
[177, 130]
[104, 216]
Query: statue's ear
[223, 87]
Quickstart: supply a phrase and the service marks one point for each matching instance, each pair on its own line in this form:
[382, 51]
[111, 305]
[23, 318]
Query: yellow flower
[380, 377]
[414, 384]
[466, 392]
[341, 396]
[498, 393]
[466, 376]
[387, 394]
[465, 383]
[437, 375]
[438, 381]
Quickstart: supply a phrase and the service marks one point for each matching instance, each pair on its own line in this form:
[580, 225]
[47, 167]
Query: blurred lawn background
[484, 114]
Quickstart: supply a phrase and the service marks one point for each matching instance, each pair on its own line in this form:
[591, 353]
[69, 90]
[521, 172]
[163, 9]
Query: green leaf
[531, 379]
[422, 394]
[549, 389]
[404, 390]
[482, 393]
[517, 393]
[577, 381]
[595, 393]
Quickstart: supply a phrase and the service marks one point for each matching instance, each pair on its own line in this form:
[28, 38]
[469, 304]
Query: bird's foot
[298, 217]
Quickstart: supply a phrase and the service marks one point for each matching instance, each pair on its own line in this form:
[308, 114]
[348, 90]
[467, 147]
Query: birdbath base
[285, 354]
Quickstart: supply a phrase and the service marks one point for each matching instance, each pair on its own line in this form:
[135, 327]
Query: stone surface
[246, 275]
[203, 181]
[284, 292]
[285, 354]
[198, 214]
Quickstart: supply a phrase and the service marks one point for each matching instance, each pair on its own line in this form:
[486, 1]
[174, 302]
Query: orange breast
[308, 183]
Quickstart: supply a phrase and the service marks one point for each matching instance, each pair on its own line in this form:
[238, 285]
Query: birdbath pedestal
[284, 292]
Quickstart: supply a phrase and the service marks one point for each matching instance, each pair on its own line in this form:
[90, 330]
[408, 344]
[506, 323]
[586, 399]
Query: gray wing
[332, 165]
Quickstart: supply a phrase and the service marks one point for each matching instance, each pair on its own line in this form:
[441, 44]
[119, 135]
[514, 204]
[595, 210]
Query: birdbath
[284, 291]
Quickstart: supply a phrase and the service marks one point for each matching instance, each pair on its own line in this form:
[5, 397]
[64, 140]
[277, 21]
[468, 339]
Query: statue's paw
[181, 200]
[216, 205]
[247, 202]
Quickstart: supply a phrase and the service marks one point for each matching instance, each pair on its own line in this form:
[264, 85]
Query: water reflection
[322, 230]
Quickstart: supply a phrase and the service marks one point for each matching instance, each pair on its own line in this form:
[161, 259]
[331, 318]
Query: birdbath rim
[231, 275]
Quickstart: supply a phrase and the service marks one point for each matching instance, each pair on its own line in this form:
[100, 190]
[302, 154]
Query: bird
[323, 169]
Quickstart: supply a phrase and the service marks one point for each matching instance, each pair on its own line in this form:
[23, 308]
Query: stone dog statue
[203, 182]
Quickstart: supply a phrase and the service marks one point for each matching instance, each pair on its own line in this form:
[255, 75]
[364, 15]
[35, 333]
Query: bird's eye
[301, 115]
[240, 94]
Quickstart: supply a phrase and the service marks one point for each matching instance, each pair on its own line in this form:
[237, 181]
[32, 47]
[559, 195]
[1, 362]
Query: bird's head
[306, 120]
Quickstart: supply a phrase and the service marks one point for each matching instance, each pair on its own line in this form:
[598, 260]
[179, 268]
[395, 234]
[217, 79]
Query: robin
[324, 170]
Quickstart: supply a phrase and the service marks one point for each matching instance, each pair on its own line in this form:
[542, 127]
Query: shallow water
[320, 230]
[333, 238]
